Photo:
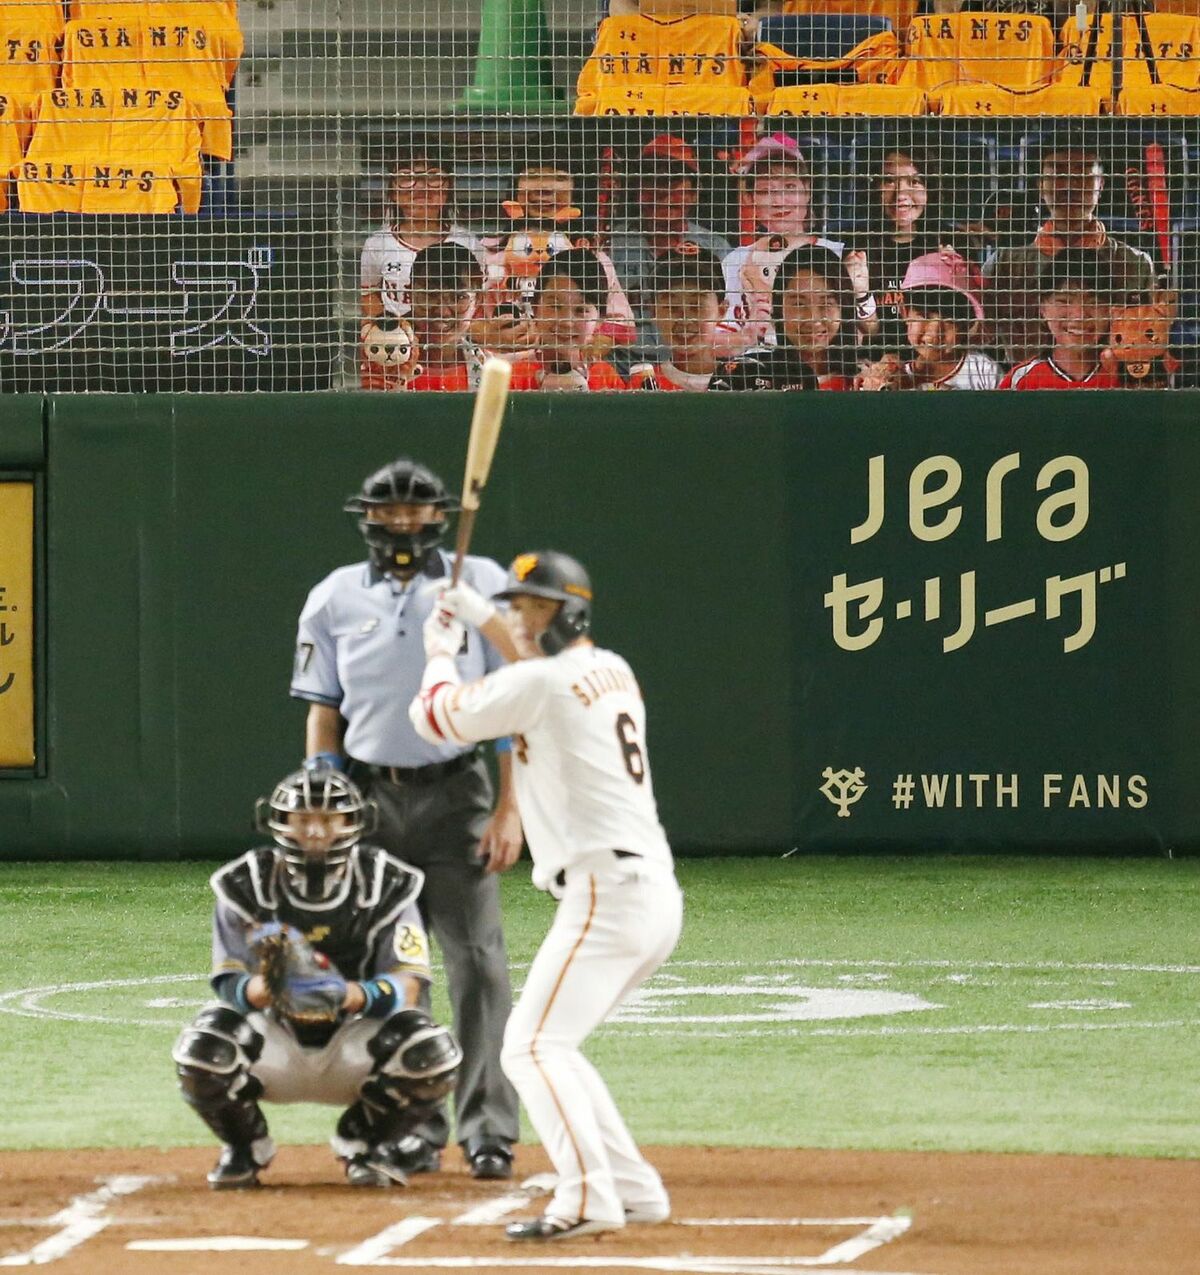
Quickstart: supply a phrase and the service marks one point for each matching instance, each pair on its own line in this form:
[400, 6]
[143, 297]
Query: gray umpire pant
[436, 827]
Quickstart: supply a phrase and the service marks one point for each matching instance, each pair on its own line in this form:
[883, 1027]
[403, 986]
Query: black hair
[582, 268]
[697, 271]
[1077, 270]
[877, 222]
[946, 303]
[443, 267]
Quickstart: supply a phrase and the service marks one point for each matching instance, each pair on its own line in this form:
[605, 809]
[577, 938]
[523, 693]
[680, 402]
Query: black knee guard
[212, 1060]
[416, 1061]
[416, 1065]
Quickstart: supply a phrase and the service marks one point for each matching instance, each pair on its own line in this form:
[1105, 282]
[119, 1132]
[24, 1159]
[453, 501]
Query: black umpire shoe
[237, 1169]
[556, 1228]
[376, 1167]
[489, 1158]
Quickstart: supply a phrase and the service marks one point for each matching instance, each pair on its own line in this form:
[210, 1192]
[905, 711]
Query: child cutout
[941, 314]
[686, 291]
[567, 302]
[1076, 307]
[445, 281]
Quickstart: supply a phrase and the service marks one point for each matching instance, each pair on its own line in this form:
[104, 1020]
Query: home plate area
[738, 1211]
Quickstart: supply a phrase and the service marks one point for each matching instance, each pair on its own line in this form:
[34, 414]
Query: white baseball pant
[617, 922]
[331, 1074]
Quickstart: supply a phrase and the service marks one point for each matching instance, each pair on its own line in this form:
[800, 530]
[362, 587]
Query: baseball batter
[583, 787]
[319, 957]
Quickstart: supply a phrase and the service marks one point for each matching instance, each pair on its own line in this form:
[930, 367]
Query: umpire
[359, 660]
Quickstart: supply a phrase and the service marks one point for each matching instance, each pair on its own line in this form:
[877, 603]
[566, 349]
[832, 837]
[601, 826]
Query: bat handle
[466, 524]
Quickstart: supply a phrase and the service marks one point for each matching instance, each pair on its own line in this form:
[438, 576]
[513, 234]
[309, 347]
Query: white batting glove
[466, 604]
[443, 635]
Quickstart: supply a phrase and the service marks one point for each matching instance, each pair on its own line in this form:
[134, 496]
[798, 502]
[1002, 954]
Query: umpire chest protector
[345, 928]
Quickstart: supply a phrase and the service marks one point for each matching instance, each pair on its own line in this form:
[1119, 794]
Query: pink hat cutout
[774, 146]
[944, 269]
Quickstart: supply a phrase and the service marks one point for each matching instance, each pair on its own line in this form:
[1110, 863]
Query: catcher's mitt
[302, 984]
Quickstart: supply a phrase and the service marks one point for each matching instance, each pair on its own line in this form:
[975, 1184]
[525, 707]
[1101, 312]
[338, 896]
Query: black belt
[412, 774]
[560, 877]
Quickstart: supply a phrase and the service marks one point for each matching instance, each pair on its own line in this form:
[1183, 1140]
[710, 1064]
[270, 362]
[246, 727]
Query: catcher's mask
[403, 482]
[553, 575]
[314, 873]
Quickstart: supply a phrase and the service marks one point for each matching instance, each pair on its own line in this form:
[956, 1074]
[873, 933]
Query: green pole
[512, 64]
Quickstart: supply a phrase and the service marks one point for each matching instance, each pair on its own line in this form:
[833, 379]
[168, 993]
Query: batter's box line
[377, 1251]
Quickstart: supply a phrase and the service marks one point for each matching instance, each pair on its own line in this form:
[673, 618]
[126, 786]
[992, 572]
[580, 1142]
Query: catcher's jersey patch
[411, 945]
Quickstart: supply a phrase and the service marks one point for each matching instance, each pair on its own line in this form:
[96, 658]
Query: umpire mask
[316, 817]
[403, 482]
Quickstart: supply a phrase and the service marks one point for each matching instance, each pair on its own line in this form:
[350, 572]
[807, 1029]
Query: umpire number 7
[631, 750]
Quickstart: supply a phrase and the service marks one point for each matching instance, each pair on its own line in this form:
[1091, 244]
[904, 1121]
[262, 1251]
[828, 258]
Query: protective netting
[850, 194]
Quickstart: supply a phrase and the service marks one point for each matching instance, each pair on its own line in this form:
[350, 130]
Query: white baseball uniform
[583, 787]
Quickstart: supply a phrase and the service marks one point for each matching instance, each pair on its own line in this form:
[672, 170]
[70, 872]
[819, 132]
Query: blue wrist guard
[317, 760]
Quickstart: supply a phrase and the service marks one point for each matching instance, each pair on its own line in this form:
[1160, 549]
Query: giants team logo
[523, 564]
[843, 787]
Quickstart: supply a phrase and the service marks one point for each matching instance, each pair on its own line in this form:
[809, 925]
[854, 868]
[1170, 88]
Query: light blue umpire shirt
[360, 650]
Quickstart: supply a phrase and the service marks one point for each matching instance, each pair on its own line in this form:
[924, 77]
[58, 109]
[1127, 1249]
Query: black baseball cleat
[556, 1228]
[414, 1155]
[376, 1167]
[652, 1213]
[490, 1159]
[239, 1166]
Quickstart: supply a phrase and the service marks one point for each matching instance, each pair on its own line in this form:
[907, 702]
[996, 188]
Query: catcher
[319, 956]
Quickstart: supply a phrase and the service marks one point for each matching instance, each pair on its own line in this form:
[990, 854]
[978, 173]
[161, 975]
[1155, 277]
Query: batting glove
[443, 635]
[466, 604]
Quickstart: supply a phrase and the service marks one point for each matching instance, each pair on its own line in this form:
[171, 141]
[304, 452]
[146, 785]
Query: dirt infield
[736, 1211]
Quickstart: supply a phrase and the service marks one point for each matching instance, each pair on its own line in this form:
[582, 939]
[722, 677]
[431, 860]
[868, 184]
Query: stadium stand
[111, 150]
[1014, 50]
[14, 135]
[302, 110]
[170, 47]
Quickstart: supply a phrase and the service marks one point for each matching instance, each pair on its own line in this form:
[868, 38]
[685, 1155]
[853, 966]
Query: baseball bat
[490, 401]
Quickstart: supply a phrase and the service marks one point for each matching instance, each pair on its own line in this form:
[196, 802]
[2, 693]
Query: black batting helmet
[404, 482]
[315, 875]
[558, 577]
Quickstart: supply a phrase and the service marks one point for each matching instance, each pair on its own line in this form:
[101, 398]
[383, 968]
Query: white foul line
[85, 1216]
[374, 1252]
[217, 1244]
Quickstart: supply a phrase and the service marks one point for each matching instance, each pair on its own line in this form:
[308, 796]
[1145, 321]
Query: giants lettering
[103, 37]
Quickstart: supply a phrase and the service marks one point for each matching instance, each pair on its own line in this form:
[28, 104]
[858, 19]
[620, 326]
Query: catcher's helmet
[404, 482]
[314, 875]
[550, 574]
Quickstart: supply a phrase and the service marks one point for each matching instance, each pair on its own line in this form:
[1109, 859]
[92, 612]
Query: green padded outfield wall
[939, 621]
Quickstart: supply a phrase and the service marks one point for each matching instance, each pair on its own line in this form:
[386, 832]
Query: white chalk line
[683, 1264]
[374, 1252]
[218, 1244]
[378, 1250]
[491, 1211]
[85, 1216]
[777, 1221]
[977, 1029]
[28, 1000]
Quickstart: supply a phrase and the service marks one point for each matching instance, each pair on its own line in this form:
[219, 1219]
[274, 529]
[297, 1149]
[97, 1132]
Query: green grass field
[1013, 1004]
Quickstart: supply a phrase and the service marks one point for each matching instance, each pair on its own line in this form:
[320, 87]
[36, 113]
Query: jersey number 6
[631, 750]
